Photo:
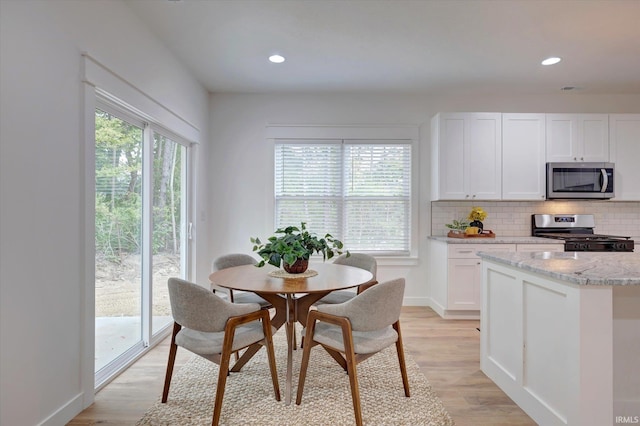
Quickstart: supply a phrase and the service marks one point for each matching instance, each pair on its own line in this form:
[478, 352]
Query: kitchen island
[560, 334]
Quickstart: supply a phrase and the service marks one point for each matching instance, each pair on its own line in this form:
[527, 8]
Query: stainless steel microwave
[580, 180]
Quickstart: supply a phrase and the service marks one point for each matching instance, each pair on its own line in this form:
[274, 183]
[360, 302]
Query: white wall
[240, 162]
[42, 244]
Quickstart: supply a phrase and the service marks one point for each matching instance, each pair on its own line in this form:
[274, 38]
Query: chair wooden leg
[352, 372]
[173, 349]
[271, 354]
[306, 352]
[222, 375]
[403, 366]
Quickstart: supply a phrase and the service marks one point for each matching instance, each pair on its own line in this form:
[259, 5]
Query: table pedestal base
[289, 310]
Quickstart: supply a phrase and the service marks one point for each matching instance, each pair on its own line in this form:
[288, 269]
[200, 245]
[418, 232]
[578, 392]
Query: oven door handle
[604, 180]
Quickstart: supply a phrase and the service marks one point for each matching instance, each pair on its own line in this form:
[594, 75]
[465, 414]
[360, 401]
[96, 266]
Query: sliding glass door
[140, 223]
[169, 211]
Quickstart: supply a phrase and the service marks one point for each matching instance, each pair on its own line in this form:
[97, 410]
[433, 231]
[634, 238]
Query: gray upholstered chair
[213, 328]
[358, 260]
[356, 330]
[238, 259]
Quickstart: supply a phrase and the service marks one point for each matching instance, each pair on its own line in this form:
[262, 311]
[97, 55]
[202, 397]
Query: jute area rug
[249, 398]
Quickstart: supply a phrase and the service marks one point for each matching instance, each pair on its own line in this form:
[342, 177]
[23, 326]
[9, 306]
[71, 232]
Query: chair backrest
[231, 260]
[197, 308]
[359, 260]
[371, 310]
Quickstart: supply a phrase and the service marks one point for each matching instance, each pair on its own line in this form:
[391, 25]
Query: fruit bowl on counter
[462, 228]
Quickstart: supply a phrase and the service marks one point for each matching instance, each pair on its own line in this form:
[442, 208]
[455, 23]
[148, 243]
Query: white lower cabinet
[456, 287]
[464, 273]
[463, 290]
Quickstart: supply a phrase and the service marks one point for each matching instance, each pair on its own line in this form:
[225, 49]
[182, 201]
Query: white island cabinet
[560, 334]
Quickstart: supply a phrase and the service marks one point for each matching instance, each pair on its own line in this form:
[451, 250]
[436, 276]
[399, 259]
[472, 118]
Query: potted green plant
[458, 226]
[292, 246]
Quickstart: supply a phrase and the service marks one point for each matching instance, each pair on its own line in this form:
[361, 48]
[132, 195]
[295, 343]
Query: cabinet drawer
[468, 251]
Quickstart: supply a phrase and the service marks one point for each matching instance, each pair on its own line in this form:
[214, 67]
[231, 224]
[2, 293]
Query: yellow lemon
[472, 230]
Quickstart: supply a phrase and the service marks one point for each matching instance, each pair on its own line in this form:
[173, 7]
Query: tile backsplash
[513, 218]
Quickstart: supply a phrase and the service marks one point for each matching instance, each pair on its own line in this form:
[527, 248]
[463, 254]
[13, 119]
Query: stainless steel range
[577, 232]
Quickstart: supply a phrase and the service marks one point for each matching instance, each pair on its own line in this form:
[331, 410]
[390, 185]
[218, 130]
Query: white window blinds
[358, 191]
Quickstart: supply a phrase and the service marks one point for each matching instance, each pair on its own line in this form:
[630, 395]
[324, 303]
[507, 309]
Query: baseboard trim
[451, 314]
[440, 310]
[66, 413]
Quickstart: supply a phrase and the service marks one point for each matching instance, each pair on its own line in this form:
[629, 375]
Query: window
[359, 191]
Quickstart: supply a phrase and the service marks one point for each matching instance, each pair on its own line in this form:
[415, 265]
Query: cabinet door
[577, 137]
[562, 137]
[593, 135]
[466, 156]
[483, 156]
[464, 272]
[464, 284]
[451, 146]
[523, 156]
[625, 153]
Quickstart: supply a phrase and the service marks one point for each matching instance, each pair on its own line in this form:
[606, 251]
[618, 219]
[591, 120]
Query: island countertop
[582, 268]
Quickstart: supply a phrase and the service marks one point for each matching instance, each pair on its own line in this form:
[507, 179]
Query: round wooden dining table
[290, 296]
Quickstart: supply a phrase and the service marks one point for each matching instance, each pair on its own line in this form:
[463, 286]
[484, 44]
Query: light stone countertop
[582, 268]
[496, 240]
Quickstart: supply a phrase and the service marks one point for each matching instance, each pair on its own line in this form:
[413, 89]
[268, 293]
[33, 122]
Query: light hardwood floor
[447, 351]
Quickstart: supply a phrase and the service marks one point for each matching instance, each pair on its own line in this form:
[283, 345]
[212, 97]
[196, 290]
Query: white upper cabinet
[577, 137]
[624, 138]
[523, 157]
[466, 156]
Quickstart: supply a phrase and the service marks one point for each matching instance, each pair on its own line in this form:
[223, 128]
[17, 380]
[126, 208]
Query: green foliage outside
[119, 148]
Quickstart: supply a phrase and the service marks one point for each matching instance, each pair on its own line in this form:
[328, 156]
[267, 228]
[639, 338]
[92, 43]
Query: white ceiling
[408, 46]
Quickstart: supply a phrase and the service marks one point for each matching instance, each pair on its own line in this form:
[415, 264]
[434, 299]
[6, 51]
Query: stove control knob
[620, 246]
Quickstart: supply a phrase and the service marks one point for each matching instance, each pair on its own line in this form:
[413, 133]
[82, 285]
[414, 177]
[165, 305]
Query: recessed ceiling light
[551, 61]
[276, 59]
